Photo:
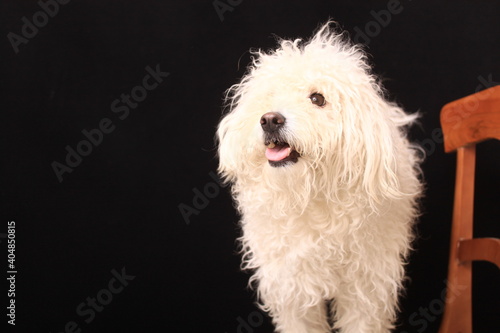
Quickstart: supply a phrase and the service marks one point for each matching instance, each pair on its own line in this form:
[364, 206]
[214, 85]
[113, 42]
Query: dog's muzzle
[278, 151]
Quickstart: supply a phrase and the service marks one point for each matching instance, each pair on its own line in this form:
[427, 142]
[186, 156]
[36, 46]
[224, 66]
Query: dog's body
[326, 183]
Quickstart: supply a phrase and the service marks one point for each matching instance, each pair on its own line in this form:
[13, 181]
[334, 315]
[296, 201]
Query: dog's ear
[233, 145]
[226, 142]
[374, 154]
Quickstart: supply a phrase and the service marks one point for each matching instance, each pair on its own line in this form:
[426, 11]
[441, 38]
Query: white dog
[327, 185]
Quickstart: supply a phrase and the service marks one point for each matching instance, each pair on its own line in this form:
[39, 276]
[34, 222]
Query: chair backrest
[471, 119]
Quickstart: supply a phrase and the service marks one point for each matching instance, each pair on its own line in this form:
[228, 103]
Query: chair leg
[457, 317]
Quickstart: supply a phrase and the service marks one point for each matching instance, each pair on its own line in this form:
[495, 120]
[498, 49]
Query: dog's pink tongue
[277, 153]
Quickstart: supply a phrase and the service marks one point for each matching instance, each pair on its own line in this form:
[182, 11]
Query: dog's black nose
[272, 121]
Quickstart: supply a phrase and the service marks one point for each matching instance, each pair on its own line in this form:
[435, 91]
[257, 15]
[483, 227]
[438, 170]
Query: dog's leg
[311, 320]
[365, 307]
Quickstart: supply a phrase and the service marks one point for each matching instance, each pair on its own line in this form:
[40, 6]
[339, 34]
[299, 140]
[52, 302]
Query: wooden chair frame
[466, 122]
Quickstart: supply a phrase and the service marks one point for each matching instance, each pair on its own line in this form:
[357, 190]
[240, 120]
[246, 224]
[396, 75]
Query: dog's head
[311, 108]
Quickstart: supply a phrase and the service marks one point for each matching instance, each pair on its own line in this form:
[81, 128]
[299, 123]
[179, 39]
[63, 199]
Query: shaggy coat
[334, 224]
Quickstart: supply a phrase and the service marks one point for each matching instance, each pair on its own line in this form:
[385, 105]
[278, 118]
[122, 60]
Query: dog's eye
[317, 99]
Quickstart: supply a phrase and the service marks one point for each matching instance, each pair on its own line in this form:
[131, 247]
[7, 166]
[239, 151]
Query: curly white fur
[337, 225]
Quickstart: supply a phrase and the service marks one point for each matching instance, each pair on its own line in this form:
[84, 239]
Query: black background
[120, 207]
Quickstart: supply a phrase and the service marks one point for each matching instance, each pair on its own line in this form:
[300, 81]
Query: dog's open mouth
[280, 153]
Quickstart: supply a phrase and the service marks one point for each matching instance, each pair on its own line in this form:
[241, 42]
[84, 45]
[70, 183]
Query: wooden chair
[465, 122]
